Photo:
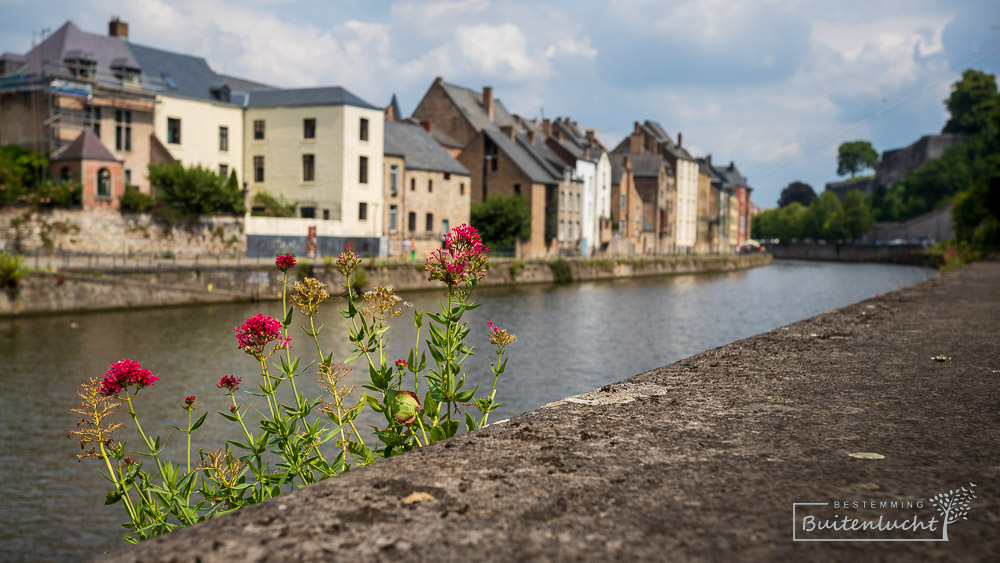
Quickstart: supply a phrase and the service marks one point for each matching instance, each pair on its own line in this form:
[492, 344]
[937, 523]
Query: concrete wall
[934, 226]
[106, 231]
[903, 254]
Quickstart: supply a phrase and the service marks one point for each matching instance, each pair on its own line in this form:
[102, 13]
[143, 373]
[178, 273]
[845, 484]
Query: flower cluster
[380, 303]
[462, 260]
[123, 374]
[230, 382]
[284, 263]
[257, 332]
[499, 337]
[309, 293]
[188, 403]
[348, 260]
[401, 364]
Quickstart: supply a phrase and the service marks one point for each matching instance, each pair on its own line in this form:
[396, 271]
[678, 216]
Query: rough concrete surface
[700, 460]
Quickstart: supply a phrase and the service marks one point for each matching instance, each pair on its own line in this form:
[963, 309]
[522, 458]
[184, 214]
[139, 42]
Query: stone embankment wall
[700, 460]
[138, 285]
[112, 232]
[898, 254]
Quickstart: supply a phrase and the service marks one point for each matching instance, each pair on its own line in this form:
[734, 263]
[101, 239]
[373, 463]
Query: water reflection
[570, 339]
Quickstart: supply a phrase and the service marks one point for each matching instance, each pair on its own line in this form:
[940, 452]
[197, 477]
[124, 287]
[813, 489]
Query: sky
[772, 85]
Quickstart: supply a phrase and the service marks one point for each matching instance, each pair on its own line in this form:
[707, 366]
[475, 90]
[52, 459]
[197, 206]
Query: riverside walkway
[700, 460]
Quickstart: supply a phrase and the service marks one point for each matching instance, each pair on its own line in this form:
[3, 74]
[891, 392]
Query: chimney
[547, 127]
[591, 137]
[628, 163]
[586, 152]
[438, 80]
[532, 135]
[117, 28]
[680, 140]
[488, 101]
[426, 125]
[637, 127]
[508, 130]
[708, 161]
[559, 135]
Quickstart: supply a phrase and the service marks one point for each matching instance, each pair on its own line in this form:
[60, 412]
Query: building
[627, 209]
[75, 81]
[321, 149]
[87, 161]
[650, 138]
[426, 191]
[738, 183]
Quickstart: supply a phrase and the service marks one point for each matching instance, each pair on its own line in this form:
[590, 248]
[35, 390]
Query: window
[493, 163]
[413, 184]
[393, 211]
[224, 170]
[447, 176]
[623, 204]
[430, 222]
[173, 130]
[562, 228]
[461, 188]
[307, 212]
[517, 189]
[223, 138]
[411, 221]
[103, 183]
[64, 174]
[393, 180]
[308, 168]
[364, 129]
[326, 214]
[363, 211]
[128, 176]
[363, 170]
[258, 129]
[444, 226]
[258, 169]
[309, 128]
[430, 185]
[92, 119]
[123, 130]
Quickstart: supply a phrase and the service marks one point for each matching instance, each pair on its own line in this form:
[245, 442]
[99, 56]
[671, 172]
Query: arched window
[103, 183]
[64, 174]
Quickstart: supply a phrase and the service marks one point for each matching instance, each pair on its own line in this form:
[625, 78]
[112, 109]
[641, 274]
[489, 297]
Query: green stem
[189, 441]
[121, 486]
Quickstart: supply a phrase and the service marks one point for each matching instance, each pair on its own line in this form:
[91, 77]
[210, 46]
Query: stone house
[86, 160]
[627, 209]
[74, 81]
[426, 191]
[738, 183]
[654, 185]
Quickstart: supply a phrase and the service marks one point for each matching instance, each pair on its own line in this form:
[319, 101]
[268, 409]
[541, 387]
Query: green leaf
[470, 424]
[418, 318]
[288, 317]
[113, 497]
[471, 306]
[465, 396]
[199, 422]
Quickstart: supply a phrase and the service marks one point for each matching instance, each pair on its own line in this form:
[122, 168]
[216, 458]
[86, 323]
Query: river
[571, 339]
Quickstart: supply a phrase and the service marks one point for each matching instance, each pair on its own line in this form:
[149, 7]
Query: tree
[501, 219]
[953, 506]
[973, 101]
[797, 191]
[855, 156]
[195, 191]
[858, 217]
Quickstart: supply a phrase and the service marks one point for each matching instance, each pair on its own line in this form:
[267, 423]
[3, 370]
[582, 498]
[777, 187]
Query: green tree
[974, 100]
[195, 191]
[501, 219]
[800, 192]
[858, 217]
[855, 156]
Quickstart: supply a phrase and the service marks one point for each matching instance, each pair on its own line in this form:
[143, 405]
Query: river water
[571, 339]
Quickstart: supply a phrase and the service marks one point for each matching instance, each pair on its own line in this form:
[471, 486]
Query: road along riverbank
[891, 400]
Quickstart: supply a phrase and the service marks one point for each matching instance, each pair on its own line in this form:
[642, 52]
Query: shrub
[135, 201]
[266, 205]
[562, 271]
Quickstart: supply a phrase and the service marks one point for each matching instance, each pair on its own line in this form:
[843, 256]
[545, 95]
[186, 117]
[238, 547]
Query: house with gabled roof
[651, 138]
[426, 190]
[74, 81]
[88, 162]
[462, 112]
[739, 228]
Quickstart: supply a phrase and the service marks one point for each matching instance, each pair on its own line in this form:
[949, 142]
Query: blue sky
[774, 85]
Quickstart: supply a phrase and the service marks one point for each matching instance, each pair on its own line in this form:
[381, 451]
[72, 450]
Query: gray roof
[648, 165]
[85, 147]
[543, 154]
[470, 104]
[439, 134]
[660, 134]
[419, 149]
[731, 175]
[69, 42]
[328, 96]
[243, 85]
[617, 167]
[177, 74]
[520, 153]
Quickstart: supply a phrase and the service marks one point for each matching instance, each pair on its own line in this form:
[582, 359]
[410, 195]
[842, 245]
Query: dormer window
[82, 68]
[128, 75]
[169, 81]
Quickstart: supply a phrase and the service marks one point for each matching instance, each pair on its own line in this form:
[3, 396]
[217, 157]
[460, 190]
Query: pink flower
[230, 382]
[188, 402]
[347, 260]
[124, 373]
[257, 332]
[284, 263]
[233, 408]
[463, 258]
[401, 364]
[493, 327]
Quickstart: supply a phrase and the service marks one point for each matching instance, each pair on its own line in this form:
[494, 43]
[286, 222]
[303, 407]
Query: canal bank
[79, 287]
[698, 460]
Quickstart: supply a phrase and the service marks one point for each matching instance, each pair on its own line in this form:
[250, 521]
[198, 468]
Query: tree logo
[953, 506]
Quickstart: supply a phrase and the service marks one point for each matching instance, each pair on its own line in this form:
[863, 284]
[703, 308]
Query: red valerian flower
[123, 374]
[284, 263]
[257, 332]
[230, 382]
[347, 260]
[401, 364]
[463, 258]
[188, 402]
